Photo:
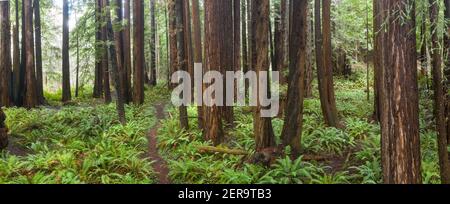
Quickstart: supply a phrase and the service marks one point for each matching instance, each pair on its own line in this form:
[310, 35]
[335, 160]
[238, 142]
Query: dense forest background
[85, 87]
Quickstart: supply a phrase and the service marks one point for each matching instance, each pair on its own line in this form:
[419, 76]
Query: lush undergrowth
[80, 143]
[348, 155]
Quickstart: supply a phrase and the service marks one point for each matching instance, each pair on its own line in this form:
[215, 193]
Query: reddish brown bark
[66, 92]
[263, 130]
[216, 12]
[5, 55]
[399, 101]
[439, 95]
[30, 100]
[292, 129]
[139, 61]
[198, 55]
[38, 51]
[127, 65]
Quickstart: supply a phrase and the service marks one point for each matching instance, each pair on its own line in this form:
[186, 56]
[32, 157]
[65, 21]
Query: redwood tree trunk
[38, 44]
[66, 92]
[198, 55]
[325, 70]
[447, 65]
[116, 65]
[30, 100]
[139, 60]
[173, 40]
[399, 101]
[16, 59]
[279, 55]
[292, 130]
[181, 53]
[98, 75]
[215, 15]
[263, 129]
[153, 34]
[439, 95]
[127, 52]
[105, 59]
[5, 55]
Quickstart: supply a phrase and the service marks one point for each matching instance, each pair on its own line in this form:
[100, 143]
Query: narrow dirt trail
[159, 164]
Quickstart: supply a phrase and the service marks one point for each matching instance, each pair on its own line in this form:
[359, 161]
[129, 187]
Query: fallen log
[208, 149]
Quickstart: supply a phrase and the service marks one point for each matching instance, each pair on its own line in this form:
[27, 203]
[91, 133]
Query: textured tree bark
[263, 130]
[399, 101]
[153, 34]
[198, 51]
[5, 54]
[245, 62]
[173, 40]
[3, 131]
[66, 92]
[325, 73]
[439, 95]
[309, 54]
[214, 17]
[38, 51]
[104, 58]
[188, 48]
[293, 122]
[139, 60]
[236, 41]
[30, 100]
[181, 53]
[279, 55]
[116, 62]
[16, 59]
[380, 36]
[447, 65]
[98, 75]
[127, 65]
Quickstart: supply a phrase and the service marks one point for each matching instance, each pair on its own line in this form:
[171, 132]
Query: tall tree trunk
[3, 130]
[153, 34]
[116, 61]
[5, 55]
[77, 71]
[173, 48]
[188, 48]
[309, 54]
[292, 129]
[30, 100]
[198, 55]
[399, 101]
[182, 56]
[127, 65]
[263, 129]
[104, 58]
[16, 59]
[447, 65]
[325, 70]
[120, 47]
[380, 37]
[237, 41]
[279, 38]
[245, 63]
[98, 75]
[38, 44]
[139, 60]
[166, 21]
[439, 95]
[66, 92]
[215, 15]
